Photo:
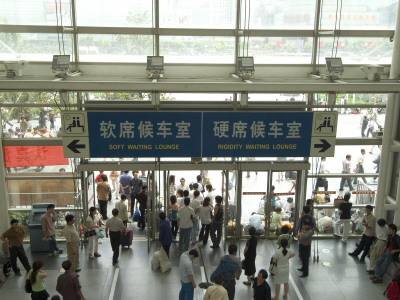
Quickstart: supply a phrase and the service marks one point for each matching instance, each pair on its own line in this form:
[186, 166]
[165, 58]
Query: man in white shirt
[380, 245]
[360, 166]
[195, 205]
[185, 223]
[182, 186]
[196, 188]
[210, 193]
[186, 273]
[346, 169]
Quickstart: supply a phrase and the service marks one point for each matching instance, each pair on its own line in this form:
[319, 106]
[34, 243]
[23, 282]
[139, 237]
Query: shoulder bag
[273, 268]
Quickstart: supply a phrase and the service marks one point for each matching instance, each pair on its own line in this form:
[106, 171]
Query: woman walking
[36, 276]
[205, 212]
[172, 186]
[250, 253]
[92, 223]
[281, 258]
[174, 209]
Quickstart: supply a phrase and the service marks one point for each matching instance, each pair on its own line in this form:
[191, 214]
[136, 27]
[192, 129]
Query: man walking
[135, 185]
[216, 223]
[346, 169]
[165, 235]
[141, 200]
[114, 226]
[230, 267]
[305, 238]
[124, 182]
[186, 272]
[344, 212]
[185, 223]
[368, 237]
[72, 240]
[360, 166]
[14, 237]
[48, 220]
[195, 205]
[68, 283]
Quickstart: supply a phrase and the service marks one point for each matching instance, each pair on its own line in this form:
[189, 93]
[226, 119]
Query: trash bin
[35, 228]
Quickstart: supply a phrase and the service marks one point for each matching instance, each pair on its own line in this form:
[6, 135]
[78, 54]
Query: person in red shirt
[98, 177]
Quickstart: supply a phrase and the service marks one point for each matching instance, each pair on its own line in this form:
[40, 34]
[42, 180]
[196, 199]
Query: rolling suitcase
[126, 237]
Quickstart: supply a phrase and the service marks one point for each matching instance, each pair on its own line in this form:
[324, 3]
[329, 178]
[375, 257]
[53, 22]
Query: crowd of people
[195, 213]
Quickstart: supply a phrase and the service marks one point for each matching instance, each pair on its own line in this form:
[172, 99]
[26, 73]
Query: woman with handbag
[36, 276]
[250, 253]
[281, 258]
[92, 231]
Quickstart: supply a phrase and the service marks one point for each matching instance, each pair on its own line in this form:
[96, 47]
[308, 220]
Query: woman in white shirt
[205, 212]
[172, 186]
[92, 223]
[281, 258]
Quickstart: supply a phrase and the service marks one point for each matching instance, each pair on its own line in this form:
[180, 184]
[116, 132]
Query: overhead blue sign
[202, 134]
[144, 134]
[257, 134]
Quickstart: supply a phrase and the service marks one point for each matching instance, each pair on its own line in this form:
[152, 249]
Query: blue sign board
[144, 134]
[257, 134]
[202, 134]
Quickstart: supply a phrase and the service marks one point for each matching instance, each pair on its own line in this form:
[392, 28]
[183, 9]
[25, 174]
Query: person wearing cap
[186, 272]
[368, 236]
[305, 239]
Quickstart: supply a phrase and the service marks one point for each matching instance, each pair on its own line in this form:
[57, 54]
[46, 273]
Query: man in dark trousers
[135, 184]
[368, 237]
[230, 267]
[305, 239]
[141, 200]
[14, 237]
[115, 225]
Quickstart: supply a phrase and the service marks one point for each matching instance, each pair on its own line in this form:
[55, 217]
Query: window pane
[117, 13]
[284, 14]
[100, 96]
[23, 193]
[291, 98]
[22, 158]
[355, 50]
[115, 47]
[35, 12]
[278, 50]
[198, 14]
[197, 49]
[362, 15]
[195, 97]
[34, 46]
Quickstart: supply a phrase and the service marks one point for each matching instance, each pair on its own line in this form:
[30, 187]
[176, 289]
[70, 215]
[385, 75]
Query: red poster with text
[28, 156]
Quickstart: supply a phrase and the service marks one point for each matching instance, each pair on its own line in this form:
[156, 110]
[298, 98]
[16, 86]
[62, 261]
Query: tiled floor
[335, 276]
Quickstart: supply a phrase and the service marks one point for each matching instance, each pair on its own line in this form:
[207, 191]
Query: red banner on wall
[28, 156]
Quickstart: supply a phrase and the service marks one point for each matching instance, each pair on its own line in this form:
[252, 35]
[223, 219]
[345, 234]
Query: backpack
[392, 291]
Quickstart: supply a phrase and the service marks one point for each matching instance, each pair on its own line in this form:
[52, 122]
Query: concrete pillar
[391, 121]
